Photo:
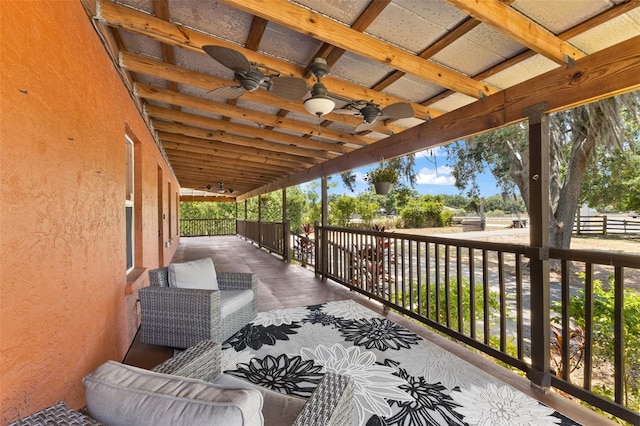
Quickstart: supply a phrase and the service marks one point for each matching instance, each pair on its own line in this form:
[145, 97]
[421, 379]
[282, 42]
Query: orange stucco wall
[64, 113]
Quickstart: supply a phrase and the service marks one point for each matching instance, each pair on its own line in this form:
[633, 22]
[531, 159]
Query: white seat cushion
[232, 300]
[122, 395]
[278, 409]
[197, 274]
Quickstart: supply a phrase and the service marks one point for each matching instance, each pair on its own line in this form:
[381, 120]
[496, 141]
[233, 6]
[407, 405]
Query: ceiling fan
[370, 112]
[220, 189]
[252, 75]
[319, 103]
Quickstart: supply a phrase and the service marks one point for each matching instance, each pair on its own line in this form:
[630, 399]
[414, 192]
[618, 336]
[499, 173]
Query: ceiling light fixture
[319, 103]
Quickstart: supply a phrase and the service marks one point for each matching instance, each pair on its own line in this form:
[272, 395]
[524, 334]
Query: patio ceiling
[439, 56]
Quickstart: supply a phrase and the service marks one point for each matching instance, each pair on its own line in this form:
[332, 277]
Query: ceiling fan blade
[398, 110]
[227, 92]
[292, 88]
[230, 58]
[365, 126]
[346, 111]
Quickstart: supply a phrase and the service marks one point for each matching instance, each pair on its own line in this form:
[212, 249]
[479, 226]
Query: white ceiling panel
[289, 45]
[139, 44]
[520, 72]
[413, 88]
[558, 16]
[477, 51]
[453, 102]
[609, 33]
[405, 28]
[343, 11]
[213, 18]
[365, 72]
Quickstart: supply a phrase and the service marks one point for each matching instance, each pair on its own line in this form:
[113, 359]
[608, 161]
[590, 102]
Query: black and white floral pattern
[288, 375]
[255, 336]
[400, 379]
[378, 333]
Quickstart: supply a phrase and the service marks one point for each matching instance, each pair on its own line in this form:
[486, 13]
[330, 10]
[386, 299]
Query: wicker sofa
[180, 318]
[331, 403]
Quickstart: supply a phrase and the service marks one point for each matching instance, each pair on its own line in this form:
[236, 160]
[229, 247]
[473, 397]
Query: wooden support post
[324, 247]
[259, 222]
[286, 232]
[539, 240]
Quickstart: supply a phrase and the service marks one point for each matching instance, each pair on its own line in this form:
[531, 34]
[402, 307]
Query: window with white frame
[128, 205]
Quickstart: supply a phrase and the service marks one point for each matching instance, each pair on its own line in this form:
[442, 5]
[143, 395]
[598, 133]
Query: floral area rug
[400, 378]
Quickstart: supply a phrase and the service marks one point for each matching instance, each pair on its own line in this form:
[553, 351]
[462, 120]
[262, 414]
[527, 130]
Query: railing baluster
[410, 275]
[588, 326]
[519, 307]
[447, 289]
[566, 332]
[437, 295]
[618, 333]
[503, 302]
[419, 276]
[460, 289]
[485, 295]
[427, 258]
[472, 293]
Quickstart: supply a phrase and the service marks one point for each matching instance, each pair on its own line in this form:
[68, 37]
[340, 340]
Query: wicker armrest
[178, 318]
[59, 414]
[202, 361]
[237, 281]
[331, 403]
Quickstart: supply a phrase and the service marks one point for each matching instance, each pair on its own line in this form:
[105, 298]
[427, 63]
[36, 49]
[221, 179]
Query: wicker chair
[180, 318]
[331, 403]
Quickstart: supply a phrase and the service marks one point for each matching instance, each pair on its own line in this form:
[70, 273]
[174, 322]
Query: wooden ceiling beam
[173, 73]
[605, 16]
[165, 128]
[258, 25]
[227, 175]
[192, 144]
[210, 199]
[176, 98]
[518, 27]
[603, 74]
[239, 133]
[444, 41]
[332, 53]
[248, 161]
[138, 22]
[323, 28]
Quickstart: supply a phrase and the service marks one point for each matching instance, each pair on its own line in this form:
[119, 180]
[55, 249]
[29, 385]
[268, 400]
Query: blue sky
[434, 177]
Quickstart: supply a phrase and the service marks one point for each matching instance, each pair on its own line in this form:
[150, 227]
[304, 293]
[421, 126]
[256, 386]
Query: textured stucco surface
[64, 113]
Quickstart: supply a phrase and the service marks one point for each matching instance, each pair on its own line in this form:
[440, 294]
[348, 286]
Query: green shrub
[426, 212]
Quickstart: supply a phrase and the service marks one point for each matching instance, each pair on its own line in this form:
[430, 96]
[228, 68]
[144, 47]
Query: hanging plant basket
[382, 178]
[382, 188]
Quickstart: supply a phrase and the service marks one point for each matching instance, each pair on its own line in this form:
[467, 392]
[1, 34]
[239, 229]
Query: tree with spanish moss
[576, 136]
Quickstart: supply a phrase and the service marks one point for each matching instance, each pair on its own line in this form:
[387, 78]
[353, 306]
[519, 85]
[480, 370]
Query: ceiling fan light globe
[319, 105]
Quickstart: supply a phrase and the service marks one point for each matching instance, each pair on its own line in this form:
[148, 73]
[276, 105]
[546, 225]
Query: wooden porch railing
[274, 236]
[479, 293]
[207, 227]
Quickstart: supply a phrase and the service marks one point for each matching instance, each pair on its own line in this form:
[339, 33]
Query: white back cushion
[122, 395]
[197, 274]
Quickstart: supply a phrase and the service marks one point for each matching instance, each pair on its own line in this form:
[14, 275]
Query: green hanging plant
[382, 174]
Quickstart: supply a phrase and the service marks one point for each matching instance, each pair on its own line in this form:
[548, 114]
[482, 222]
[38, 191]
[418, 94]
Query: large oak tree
[576, 136]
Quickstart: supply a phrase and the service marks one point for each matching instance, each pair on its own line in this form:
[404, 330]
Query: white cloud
[439, 176]
[360, 177]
